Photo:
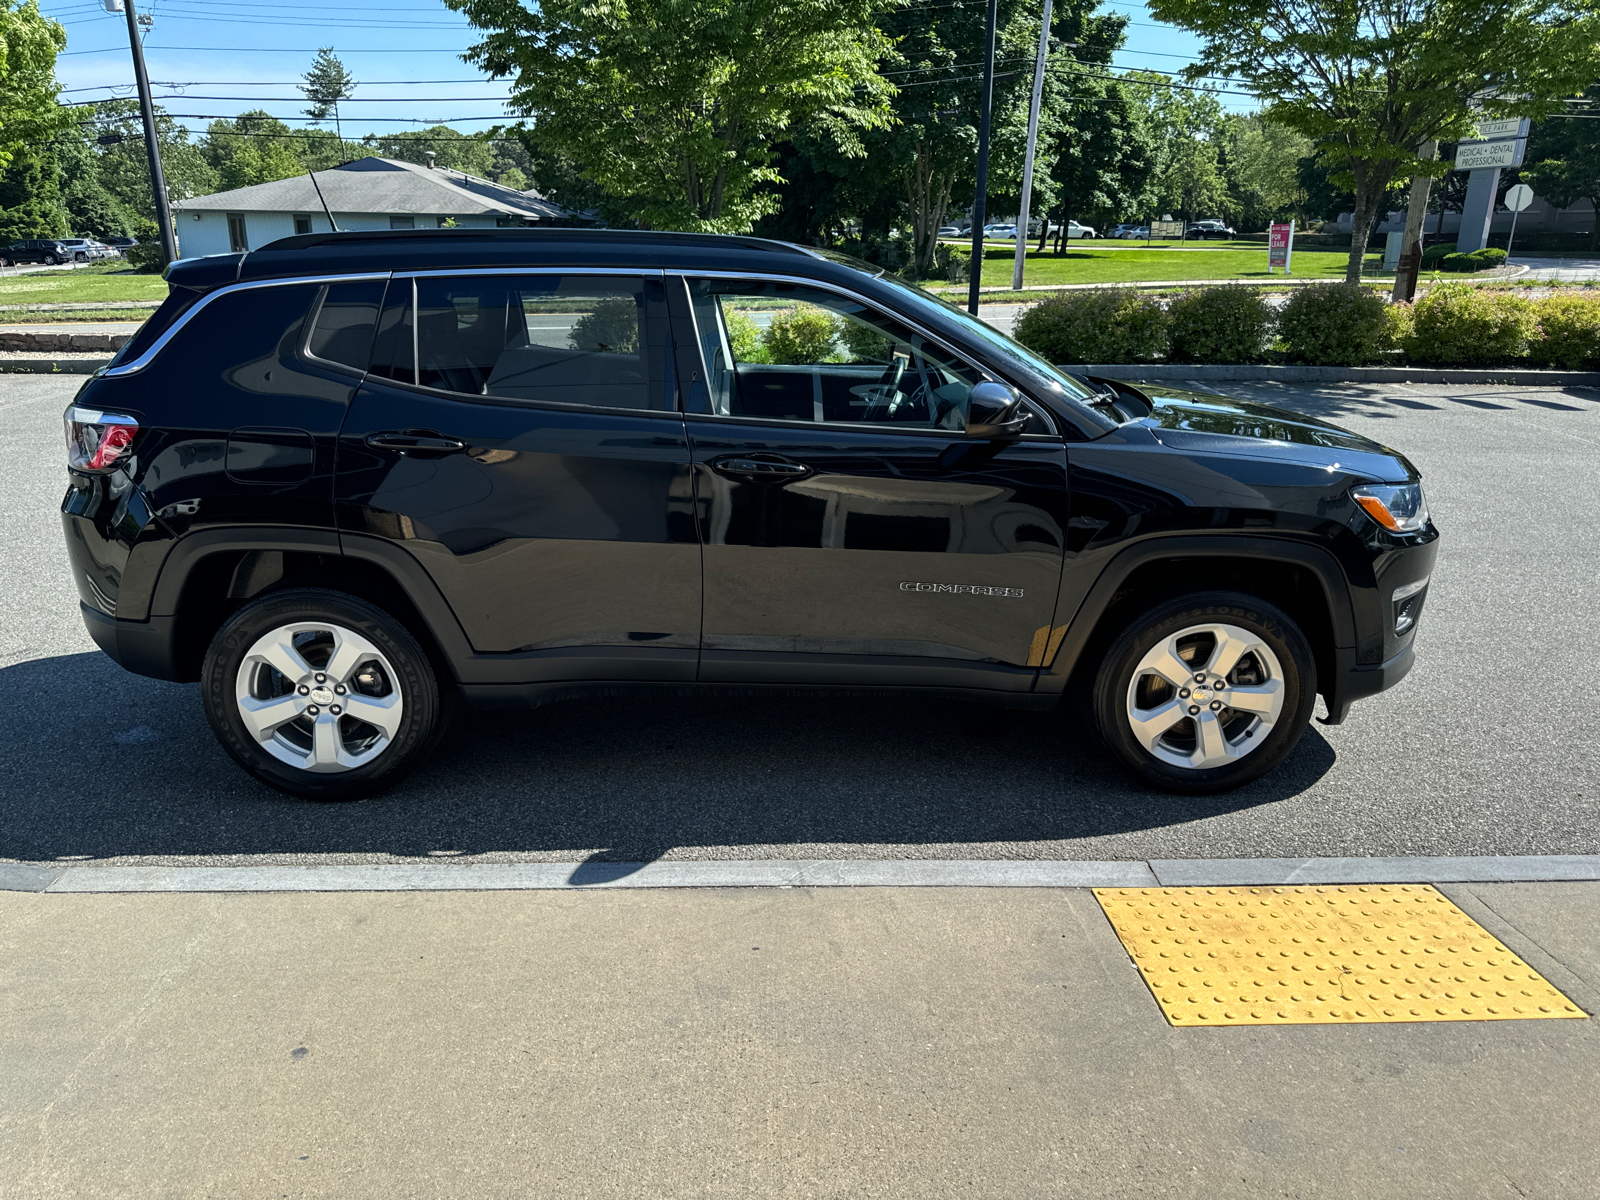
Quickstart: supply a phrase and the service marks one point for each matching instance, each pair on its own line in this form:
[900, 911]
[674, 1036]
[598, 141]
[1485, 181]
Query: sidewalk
[740, 1042]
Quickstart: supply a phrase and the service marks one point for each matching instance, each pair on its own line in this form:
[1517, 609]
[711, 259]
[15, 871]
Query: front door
[517, 436]
[852, 531]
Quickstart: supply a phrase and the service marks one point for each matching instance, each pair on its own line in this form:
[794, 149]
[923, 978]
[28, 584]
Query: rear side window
[346, 318]
[241, 330]
[179, 300]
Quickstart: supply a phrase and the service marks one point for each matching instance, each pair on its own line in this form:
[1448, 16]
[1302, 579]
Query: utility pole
[1027, 158]
[158, 181]
[1405, 276]
[978, 203]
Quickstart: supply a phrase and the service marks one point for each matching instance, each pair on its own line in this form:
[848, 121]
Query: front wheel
[321, 695]
[1206, 692]
[50, 260]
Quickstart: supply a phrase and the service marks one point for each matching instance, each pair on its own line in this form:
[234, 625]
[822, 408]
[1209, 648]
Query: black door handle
[415, 441]
[761, 468]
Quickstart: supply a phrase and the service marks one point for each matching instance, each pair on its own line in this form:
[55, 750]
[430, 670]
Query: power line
[260, 50]
[271, 83]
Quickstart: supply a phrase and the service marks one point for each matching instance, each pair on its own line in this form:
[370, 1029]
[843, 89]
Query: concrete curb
[587, 876]
[51, 366]
[1240, 372]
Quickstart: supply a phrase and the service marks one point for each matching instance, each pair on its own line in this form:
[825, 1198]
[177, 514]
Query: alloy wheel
[319, 697]
[1205, 696]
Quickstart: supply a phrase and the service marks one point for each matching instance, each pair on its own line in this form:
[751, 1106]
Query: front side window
[566, 339]
[238, 242]
[789, 352]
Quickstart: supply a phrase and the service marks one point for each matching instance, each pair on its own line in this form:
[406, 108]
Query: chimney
[430, 156]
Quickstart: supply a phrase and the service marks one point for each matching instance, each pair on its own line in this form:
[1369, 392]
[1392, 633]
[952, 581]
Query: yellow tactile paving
[1322, 955]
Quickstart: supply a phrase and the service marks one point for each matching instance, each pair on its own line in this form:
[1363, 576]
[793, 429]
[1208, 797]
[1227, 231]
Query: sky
[218, 58]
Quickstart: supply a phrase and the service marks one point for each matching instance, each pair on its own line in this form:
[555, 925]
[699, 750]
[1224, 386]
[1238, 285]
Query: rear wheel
[321, 695]
[1205, 693]
[50, 260]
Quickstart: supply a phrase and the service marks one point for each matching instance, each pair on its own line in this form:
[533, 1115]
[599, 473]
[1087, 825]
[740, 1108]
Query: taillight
[96, 440]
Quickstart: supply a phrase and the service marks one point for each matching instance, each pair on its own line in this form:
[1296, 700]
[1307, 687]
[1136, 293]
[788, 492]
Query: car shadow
[96, 763]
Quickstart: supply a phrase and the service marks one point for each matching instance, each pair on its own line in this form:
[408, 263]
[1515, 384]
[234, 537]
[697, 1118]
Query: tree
[325, 85]
[29, 44]
[1260, 164]
[123, 168]
[1372, 80]
[1185, 127]
[30, 197]
[91, 209]
[252, 148]
[451, 149]
[677, 104]
[1563, 163]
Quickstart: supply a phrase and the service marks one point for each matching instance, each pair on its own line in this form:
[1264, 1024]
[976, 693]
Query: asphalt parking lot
[1490, 746]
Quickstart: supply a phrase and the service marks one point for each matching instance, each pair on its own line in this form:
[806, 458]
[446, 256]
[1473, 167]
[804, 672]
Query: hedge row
[1444, 258]
[1330, 324]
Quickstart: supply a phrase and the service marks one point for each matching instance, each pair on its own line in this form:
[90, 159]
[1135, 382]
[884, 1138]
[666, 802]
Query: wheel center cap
[1199, 695]
[321, 695]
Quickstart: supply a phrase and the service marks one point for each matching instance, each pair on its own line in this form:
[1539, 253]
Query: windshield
[1064, 386]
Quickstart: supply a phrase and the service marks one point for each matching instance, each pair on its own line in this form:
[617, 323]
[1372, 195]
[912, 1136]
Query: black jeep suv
[347, 479]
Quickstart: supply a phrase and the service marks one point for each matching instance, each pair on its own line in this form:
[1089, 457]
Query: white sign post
[1517, 199]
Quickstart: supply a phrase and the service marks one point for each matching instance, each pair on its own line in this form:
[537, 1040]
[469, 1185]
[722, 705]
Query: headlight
[1398, 507]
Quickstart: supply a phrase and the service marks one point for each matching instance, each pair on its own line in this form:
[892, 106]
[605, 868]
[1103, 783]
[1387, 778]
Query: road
[1489, 747]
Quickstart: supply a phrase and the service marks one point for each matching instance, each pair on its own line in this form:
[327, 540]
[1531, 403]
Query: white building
[370, 193]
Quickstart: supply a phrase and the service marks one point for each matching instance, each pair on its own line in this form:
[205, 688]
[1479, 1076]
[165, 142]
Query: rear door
[852, 532]
[518, 437]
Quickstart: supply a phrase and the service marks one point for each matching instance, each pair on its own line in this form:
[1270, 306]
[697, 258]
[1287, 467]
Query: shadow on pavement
[1334, 400]
[96, 763]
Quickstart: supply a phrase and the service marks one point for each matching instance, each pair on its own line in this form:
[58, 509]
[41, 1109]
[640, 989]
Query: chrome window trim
[685, 276]
[199, 305]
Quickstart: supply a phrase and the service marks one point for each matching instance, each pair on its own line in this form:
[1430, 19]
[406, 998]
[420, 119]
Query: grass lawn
[85, 285]
[1133, 262]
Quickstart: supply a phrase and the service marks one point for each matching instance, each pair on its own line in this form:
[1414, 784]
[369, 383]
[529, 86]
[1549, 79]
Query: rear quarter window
[240, 331]
[179, 300]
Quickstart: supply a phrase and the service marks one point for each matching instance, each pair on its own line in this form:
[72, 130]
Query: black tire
[51, 260]
[424, 708]
[1274, 629]
[80, 258]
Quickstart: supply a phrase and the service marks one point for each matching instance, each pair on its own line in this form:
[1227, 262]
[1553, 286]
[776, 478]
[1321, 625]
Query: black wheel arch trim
[1080, 623]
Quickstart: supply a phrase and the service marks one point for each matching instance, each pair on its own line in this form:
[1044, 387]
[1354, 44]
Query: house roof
[382, 185]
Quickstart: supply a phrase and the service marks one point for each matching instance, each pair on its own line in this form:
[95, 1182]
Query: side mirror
[996, 412]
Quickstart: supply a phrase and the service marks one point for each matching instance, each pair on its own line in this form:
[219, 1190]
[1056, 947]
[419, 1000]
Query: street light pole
[1027, 159]
[158, 181]
[978, 203]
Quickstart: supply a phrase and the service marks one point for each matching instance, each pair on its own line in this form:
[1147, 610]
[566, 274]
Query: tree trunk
[1371, 183]
[1044, 233]
[1594, 225]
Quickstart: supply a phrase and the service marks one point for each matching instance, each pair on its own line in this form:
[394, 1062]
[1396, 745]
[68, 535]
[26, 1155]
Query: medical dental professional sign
[1280, 246]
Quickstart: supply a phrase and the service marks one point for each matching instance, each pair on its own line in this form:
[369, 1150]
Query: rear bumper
[1354, 681]
[143, 647]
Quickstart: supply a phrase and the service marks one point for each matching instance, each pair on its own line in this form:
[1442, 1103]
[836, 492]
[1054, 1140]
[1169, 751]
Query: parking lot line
[1322, 955]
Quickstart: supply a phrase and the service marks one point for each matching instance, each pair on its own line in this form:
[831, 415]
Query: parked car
[85, 249]
[47, 251]
[309, 486]
[121, 244]
[1133, 232]
[1000, 233]
[950, 231]
[1074, 230]
[1210, 229]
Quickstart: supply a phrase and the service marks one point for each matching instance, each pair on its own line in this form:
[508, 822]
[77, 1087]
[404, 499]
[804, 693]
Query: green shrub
[145, 258]
[1457, 324]
[744, 338]
[800, 335]
[612, 327]
[1099, 325]
[1398, 321]
[1334, 324]
[863, 342]
[1478, 260]
[953, 263]
[1432, 254]
[1219, 325]
[1568, 331]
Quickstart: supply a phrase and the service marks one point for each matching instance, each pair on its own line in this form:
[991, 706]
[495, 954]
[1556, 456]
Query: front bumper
[1354, 681]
